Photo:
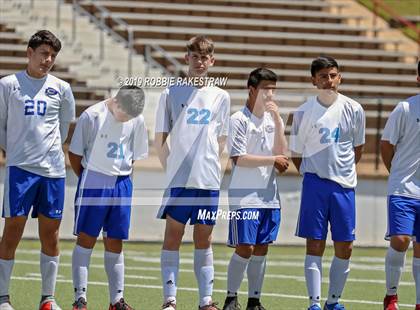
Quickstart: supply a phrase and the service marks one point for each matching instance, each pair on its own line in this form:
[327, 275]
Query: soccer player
[36, 109]
[400, 149]
[257, 145]
[196, 120]
[328, 133]
[108, 138]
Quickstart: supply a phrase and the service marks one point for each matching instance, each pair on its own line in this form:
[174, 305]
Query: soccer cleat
[120, 305]
[49, 303]
[5, 303]
[170, 305]
[254, 304]
[211, 306]
[80, 304]
[314, 307]
[391, 302]
[335, 306]
[231, 303]
[417, 307]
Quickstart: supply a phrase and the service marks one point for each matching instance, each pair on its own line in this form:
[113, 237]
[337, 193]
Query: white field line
[191, 289]
[222, 275]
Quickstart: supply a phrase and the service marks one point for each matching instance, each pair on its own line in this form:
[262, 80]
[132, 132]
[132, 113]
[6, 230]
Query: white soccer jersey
[326, 137]
[194, 118]
[252, 187]
[31, 111]
[107, 145]
[403, 131]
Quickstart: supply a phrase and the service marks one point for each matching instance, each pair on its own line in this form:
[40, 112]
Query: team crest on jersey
[269, 129]
[51, 92]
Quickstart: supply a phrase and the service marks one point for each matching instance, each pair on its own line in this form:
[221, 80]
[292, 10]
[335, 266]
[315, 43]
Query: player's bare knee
[244, 250]
[400, 243]
[113, 245]
[315, 247]
[260, 250]
[85, 241]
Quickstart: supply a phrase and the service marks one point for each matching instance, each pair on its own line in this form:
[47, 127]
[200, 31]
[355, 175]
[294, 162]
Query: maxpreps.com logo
[51, 92]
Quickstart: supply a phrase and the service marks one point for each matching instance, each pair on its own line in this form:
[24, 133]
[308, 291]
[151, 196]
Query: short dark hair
[44, 37]
[131, 99]
[323, 62]
[201, 44]
[261, 74]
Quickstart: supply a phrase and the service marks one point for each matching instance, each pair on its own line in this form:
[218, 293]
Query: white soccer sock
[416, 275]
[339, 271]
[114, 266]
[236, 272]
[313, 277]
[169, 262]
[204, 272]
[80, 270]
[394, 264]
[49, 270]
[255, 273]
[6, 268]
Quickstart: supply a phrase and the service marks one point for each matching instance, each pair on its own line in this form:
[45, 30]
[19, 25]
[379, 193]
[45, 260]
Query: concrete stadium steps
[162, 7]
[171, 20]
[284, 50]
[270, 4]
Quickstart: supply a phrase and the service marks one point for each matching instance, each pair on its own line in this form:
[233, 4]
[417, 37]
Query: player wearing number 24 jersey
[328, 133]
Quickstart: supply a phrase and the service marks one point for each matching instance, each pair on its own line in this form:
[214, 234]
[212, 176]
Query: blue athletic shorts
[183, 204]
[24, 189]
[103, 202]
[403, 216]
[254, 226]
[325, 201]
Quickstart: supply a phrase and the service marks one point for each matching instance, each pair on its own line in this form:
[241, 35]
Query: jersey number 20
[38, 107]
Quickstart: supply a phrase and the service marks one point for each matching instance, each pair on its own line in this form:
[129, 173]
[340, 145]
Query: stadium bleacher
[279, 34]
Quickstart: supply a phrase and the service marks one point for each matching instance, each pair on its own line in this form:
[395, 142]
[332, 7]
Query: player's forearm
[222, 142]
[64, 131]
[297, 160]
[76, 163]
[387, 153]
[162, 148]
[358, 150]
[253, 161]
[3, 139]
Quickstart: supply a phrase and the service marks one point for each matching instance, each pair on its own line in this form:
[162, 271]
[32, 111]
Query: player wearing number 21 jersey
[108, 138]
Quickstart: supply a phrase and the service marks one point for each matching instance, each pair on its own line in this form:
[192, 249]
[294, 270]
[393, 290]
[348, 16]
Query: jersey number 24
[327, 135]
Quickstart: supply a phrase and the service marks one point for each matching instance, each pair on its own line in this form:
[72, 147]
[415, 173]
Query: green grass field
[284, 286]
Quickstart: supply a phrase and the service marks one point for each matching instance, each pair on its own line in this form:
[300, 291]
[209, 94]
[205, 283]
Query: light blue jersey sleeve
[3, 114]
[237, 141]
[296, 144]
[224, 129]
[360, 128]
[162, 123]
[67, 112]
[80, 140]
[395, 125]
[141, 141]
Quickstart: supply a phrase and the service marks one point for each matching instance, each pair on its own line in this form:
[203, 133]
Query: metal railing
[102, 22]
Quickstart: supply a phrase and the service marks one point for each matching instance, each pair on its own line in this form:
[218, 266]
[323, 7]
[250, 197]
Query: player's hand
[281, 163]
[272, 108]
